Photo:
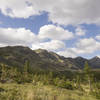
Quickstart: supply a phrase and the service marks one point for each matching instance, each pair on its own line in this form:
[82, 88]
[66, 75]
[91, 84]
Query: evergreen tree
[87, 69]
[88, 75]
[78, 81]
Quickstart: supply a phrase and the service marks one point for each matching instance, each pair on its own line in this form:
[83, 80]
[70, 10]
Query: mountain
[94, 62]
[69, 63]
[56, 59]
[43, 59]
[79, 61]
[17, 55]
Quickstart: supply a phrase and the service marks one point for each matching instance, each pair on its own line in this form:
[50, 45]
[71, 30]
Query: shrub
[65, 84]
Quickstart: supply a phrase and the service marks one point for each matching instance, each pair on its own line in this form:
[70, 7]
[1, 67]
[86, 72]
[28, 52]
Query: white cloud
[60, 11]
[87, 45]
[17, 8]
[2, 45]
[98, 37]
[20, 36]
[51, 45]
[75, 12]
[80, 31]
[67, 53]
[54, 32]
[98, 56]
[83, 46]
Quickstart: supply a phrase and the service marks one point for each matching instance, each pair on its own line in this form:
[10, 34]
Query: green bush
[65, 84]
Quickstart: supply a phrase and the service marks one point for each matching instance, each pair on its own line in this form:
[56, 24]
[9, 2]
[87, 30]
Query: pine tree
[87, 69]
[87, 72]
[78, 81]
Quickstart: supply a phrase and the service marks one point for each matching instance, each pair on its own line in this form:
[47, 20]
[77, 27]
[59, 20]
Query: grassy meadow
[23, 84]
[29, 91]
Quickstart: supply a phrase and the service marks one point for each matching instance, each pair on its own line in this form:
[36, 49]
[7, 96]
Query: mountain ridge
[43, 59]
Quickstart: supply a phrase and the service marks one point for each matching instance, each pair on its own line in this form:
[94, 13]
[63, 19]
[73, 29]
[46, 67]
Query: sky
[70, 28]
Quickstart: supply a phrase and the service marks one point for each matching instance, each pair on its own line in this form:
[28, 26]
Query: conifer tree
[87, 69]
[78, 81]
[88, 75]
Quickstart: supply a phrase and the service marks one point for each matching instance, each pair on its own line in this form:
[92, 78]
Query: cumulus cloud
[54, 32]
[50, 45]
[17, 8]
[75, 12]
[98, 37]
[20, 36]
[87, 45]
[83, 46]
[67, 53]
[98, 56]
[80, 31]
[55, 36]
[59, 11]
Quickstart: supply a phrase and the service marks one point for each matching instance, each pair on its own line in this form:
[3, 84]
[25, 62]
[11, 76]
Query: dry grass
[40, 92]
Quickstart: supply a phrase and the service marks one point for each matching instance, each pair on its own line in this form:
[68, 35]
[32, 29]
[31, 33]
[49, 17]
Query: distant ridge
[43, 59]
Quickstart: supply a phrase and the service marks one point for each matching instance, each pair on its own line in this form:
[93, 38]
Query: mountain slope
[56, 59]
[17, 55]
[69, 63]
[94, 62]
[43, 59]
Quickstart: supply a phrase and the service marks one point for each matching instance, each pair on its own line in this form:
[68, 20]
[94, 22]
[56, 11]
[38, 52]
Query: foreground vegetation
[40, 92]
[36, 84]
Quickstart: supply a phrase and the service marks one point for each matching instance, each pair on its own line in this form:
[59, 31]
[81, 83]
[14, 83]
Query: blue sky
[33, 23]
[68, 30]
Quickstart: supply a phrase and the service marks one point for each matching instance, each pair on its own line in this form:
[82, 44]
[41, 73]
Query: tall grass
[40, 92]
